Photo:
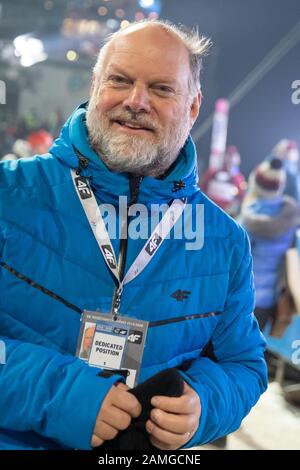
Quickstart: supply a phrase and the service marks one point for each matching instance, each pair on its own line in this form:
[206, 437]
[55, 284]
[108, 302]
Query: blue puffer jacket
[49, 398]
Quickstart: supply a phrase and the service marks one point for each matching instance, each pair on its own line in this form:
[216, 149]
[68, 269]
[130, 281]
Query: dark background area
[243, 33]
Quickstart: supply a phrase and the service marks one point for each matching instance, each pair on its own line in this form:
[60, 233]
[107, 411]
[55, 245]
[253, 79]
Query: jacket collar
[107, 185]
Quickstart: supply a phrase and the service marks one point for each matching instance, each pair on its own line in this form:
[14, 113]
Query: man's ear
[195, 107]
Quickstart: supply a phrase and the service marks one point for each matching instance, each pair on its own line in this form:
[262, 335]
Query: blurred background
[47, 49]
[247, 138]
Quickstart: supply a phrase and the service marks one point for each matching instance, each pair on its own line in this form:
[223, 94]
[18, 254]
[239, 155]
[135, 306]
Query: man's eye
[164, 89]
[118, 79]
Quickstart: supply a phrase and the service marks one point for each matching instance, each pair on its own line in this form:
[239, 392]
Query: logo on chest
[181, 295]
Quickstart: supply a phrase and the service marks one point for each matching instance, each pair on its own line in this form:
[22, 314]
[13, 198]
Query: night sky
[243, 33]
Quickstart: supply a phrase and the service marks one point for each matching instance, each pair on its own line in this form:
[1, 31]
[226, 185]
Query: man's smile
[132, 128]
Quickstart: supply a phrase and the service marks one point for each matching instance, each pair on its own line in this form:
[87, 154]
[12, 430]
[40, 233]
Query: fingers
[174, 420]
[177, 424]
[117, 410]
[188, 403]
[165, 440]
[109, 422]
[105, 431]
[125, 401]
[96, 441]
[182, 405]
[122, 386]
[115, 417]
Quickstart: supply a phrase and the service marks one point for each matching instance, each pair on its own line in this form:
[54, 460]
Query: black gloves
[169, 383]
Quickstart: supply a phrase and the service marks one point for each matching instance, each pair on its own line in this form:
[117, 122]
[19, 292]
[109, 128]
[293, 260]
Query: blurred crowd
[27, 136]
[268, 206]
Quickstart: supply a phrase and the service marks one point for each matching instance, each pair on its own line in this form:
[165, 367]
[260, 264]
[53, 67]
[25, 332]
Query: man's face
[88, 338]
[142, 111]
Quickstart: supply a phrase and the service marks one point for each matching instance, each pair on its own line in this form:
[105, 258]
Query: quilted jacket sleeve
[230, 381]
[57, 396]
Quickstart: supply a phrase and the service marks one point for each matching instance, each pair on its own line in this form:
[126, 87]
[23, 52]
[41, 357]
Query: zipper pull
[83, 162]
[134, 184]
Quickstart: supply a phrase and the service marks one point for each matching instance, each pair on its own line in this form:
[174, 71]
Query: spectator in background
[287, 151]
[226, 186]
[40, 141]
[20, 149]
[271, 219]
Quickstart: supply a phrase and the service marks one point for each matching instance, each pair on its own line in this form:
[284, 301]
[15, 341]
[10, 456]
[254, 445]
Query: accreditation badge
[112, 345]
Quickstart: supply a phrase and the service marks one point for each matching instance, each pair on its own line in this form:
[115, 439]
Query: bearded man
[132, 140]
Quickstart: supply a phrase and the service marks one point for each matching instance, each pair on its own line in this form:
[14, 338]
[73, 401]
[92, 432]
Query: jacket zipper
[41, 288]
[184, 318]
[134, 182]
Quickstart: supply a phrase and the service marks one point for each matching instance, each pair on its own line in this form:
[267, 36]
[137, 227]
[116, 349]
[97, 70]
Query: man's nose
[138, 99]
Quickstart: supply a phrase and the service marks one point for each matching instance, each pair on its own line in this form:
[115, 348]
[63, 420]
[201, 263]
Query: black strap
[40, 288]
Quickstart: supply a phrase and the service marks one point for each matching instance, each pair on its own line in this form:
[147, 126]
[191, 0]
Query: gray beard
[132, 154]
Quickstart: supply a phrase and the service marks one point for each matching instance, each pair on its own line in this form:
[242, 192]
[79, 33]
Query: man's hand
[117, 410]
[174, 420]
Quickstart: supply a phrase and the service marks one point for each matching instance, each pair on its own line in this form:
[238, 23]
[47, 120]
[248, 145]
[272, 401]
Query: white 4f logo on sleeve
[83, 187]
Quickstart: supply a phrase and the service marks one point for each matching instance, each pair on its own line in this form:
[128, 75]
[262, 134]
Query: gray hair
[197, 46]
